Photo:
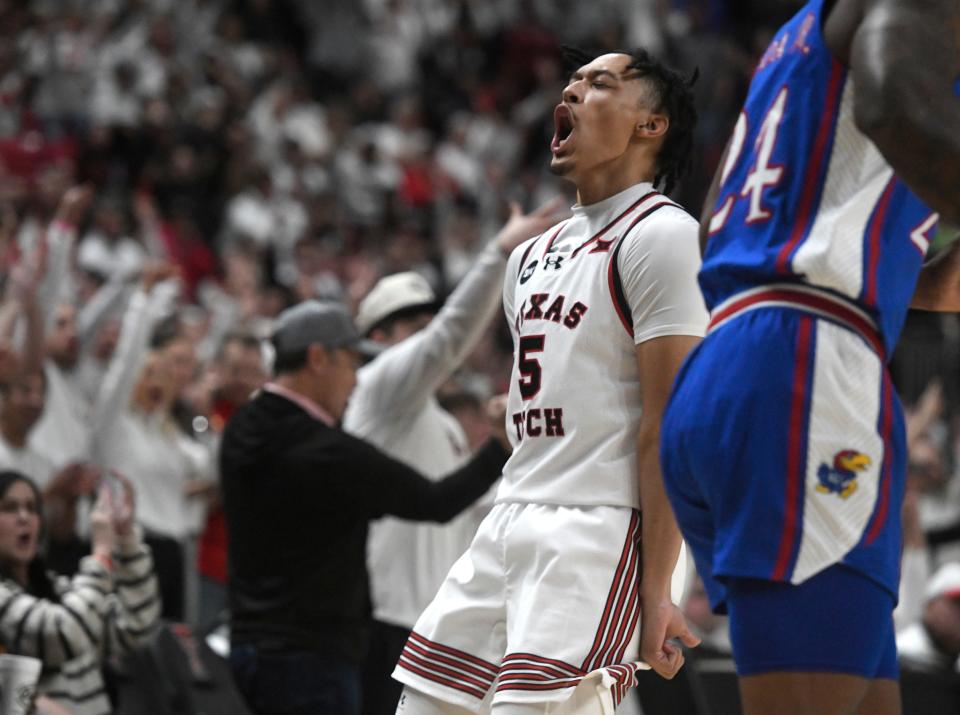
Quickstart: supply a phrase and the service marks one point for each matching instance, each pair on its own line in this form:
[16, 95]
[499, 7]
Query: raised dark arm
[904, 60]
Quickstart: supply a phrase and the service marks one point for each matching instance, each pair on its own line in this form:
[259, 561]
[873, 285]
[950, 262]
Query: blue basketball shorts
[783, 453]
[838, 621]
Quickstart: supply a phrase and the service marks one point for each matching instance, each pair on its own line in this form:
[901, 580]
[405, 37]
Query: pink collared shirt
[308, 405]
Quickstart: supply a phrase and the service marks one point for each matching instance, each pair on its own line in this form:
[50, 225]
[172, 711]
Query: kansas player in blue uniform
[783, 446]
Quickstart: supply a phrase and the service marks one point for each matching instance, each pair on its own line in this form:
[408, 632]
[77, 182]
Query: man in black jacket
[298, 495]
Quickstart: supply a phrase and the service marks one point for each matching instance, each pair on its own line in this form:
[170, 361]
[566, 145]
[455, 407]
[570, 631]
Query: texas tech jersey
[579, 298]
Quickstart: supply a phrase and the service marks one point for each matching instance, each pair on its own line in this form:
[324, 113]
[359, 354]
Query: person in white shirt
[22, 384]
[24, 391]
[933, 643]
[63, 433]
[21, 404]
[62, 436]
[395, 408]
[543, 612]
[136, 435]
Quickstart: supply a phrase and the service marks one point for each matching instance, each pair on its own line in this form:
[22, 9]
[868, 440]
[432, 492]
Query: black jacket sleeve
[381, 485]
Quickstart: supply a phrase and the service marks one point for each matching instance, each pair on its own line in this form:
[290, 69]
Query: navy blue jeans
[296, 682]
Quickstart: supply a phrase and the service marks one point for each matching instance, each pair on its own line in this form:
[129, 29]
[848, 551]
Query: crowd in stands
[176, 173]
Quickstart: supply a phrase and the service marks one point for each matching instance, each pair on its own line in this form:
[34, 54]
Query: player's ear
[652, 126]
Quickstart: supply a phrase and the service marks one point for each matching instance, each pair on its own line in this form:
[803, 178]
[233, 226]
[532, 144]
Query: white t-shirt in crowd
[149, 449]
[63, 433]
[27, 460]
[393, 407]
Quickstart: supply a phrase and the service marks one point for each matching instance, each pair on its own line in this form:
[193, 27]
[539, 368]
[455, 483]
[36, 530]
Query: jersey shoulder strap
[614, 281]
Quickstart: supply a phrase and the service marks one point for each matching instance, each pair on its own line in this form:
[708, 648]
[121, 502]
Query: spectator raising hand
[135, 432]
[113, 516]
[74, 204]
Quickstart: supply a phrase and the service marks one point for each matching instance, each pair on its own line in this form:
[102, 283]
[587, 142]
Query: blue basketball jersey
[806, 197]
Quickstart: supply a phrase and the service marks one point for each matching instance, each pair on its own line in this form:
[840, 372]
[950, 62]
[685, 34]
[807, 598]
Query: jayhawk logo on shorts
[841, 478]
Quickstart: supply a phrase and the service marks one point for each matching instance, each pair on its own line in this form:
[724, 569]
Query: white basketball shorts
[545, 599]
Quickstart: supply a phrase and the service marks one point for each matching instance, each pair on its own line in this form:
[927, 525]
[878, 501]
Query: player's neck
[608, 181]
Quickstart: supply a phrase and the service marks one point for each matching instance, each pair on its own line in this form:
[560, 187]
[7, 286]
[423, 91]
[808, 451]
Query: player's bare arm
[904, 57]
[658, 361]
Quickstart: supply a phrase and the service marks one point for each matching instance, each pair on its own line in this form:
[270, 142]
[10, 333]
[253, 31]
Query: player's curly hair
[672, 95]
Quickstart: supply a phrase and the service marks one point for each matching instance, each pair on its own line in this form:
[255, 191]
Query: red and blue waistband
[804, 298]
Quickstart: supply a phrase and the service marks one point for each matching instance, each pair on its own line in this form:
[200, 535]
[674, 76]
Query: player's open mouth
[564, 128]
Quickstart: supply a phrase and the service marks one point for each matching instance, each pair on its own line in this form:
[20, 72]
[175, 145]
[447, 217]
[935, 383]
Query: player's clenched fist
[660, 623]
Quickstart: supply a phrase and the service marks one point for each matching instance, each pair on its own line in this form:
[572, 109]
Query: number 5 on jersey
[534, 422]
[531, 374]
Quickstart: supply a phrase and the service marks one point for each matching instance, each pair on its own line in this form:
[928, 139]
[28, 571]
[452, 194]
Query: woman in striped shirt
[74, 625]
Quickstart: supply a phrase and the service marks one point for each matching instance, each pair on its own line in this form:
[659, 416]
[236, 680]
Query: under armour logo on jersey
[602, 246]
[528, 272]
[554, 262]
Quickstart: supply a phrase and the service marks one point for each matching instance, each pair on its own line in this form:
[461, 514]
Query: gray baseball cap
[325, 322]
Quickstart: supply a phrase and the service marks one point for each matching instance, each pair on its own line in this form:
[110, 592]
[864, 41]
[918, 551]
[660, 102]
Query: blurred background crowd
[174, 173]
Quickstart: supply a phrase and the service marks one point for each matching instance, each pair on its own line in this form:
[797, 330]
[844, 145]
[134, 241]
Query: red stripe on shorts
[880, 516]
[794, 450]
[442, 671]
[431, 645]
[442, 660]
[560, 664]
[626, 602]
[620, 579]
[439, 680]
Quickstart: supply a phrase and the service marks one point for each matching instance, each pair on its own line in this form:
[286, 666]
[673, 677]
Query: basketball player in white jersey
[546, 612]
